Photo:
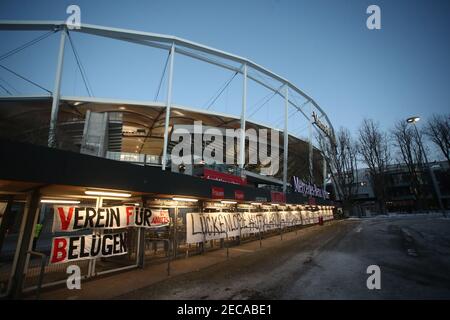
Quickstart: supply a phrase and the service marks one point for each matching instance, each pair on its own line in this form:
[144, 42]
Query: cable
[280, 121]
[80, 66]
[292, 96]
[7, 91]
[273, 95]
[10, 85]
[26, 45]
[262, 105]
[156, 97]
[299, 130]
[222, 90]
[20, 48]
[295, 110]
[162, 77]
[260, 100]
[26, 79]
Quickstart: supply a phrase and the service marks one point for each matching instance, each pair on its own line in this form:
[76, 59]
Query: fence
[193, 229]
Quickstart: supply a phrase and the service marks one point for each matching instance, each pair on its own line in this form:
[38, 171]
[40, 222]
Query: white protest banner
[290, 218]
[328, 215]
[210, 226]
[73, 218]
[252, 222]
[67, 249]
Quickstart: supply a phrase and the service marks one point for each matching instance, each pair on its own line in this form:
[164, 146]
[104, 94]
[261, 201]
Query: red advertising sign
[277, 197]
[224, 177]
[239, 195]
[217, 193]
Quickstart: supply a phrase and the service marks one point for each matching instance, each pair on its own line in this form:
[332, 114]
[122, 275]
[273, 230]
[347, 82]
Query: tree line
[377, 149]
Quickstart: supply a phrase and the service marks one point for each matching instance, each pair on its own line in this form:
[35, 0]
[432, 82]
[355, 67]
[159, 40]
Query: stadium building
[85, 151]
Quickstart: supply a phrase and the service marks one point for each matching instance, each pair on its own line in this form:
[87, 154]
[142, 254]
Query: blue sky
[322, 46]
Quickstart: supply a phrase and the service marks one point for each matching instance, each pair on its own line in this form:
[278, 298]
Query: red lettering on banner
[59, 247]
[62, 216]
[217, 193]
[160, 220]
[239, 195]
[129, 211]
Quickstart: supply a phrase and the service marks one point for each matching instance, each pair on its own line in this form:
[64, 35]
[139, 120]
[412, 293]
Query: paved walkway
[118, 284]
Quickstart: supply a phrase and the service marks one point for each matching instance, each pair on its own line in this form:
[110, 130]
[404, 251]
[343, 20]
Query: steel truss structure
[174, 45]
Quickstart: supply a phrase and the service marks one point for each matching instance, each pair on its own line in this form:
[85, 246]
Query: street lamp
[414, 120]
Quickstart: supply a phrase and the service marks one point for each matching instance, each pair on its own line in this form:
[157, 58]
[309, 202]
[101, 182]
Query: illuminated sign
[325, 129]
[308, 189]
[239, 195]
[217, 193]
[224, 177]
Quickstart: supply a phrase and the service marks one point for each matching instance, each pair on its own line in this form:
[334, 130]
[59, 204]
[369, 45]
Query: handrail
[41, 272]
[168, 253]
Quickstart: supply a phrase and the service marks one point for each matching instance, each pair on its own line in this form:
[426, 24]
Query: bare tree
[438, 131]
[374, 149]
[341, 159]
[407, 142]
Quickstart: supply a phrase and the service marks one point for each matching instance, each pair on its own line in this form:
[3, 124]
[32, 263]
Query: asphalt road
[329, 262]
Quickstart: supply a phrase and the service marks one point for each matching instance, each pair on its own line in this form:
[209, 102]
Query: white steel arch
[185, 47]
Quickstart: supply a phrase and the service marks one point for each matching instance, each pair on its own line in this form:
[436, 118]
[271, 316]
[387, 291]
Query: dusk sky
[324, 47]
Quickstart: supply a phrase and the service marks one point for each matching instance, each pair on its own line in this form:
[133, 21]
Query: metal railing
[41, 271]
[165, 240]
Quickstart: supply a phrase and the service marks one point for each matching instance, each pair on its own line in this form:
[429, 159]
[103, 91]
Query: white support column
[286, 137]
[92, 262]
[168, 105]
[56, 91]
[241, 161]
[311, 174]
[324, 163]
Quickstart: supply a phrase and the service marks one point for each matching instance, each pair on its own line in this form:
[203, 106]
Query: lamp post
[437, 193]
